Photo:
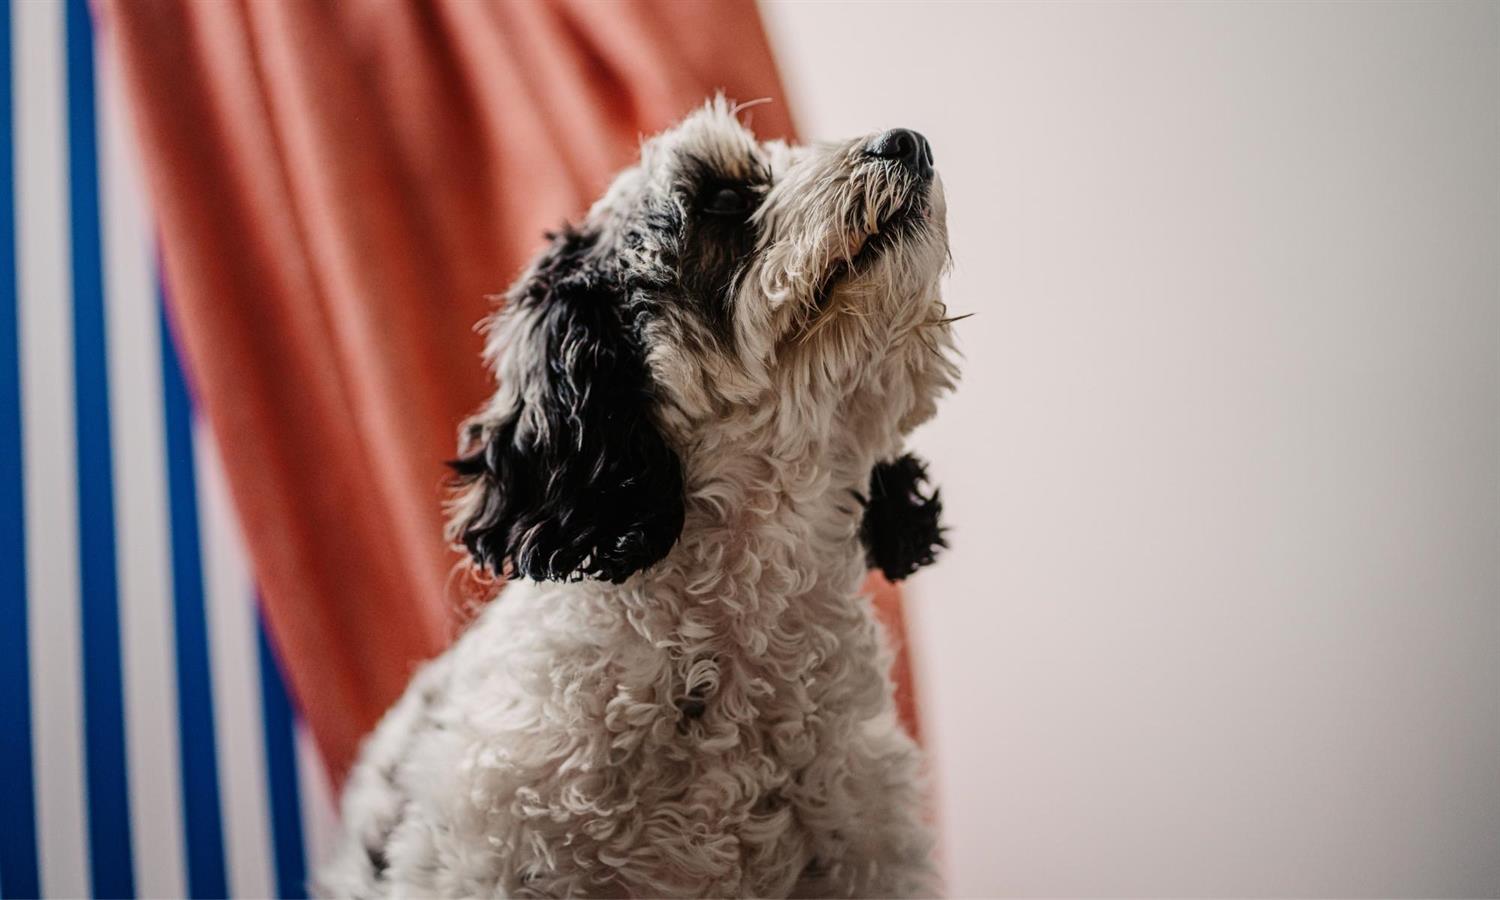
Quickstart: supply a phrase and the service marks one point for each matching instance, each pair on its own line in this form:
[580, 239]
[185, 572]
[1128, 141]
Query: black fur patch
[715, 249]
[710, 249]
[378, 862]
[595, 491]
[901, 528]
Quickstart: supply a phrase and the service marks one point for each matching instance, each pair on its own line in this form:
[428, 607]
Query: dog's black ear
[569, 476]
[901, 528]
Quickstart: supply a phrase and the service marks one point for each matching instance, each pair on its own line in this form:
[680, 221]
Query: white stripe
[236, 680]
[142, 525]
[319, 817]
[45, 311]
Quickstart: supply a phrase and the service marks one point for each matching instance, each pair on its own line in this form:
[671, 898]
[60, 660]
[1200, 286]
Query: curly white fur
[719, 723]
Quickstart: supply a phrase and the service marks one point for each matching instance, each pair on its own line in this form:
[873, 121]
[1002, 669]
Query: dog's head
[723, 294]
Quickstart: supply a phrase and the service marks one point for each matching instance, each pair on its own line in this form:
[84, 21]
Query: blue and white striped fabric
[147, 745]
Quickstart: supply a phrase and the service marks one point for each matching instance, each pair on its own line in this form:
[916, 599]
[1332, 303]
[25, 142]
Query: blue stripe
[204, 831]
[103, 703]
[281, 773]
[18, 862]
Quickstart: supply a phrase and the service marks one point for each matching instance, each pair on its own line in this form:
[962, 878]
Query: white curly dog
[695, 451]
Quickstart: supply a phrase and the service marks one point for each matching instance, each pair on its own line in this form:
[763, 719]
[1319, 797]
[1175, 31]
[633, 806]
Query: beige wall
[1222, 612]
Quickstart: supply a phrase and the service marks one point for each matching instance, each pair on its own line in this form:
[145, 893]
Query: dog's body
[684, 693]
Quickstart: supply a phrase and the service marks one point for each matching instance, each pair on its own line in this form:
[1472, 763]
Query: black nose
[904, 146]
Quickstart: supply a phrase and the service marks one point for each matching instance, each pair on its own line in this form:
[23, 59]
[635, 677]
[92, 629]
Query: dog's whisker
[743, 105]
[951, 319]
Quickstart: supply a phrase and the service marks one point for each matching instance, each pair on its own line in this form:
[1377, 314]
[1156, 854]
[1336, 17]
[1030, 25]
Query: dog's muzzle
[905, 147]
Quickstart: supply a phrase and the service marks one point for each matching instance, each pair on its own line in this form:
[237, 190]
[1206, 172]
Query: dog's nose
[904, 146]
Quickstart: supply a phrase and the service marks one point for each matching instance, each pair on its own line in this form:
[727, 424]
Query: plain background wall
[1222, 610]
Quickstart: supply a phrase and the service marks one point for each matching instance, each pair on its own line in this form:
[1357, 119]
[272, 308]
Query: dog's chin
[894, 234]
[893, 230]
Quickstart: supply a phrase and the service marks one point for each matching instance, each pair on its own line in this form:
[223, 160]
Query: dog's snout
[904, 146]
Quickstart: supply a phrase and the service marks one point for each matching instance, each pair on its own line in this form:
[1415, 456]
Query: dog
[694, 453]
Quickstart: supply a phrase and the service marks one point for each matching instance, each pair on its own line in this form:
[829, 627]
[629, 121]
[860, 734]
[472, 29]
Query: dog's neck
[771, 534]
[814, 497]
[760, 596]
